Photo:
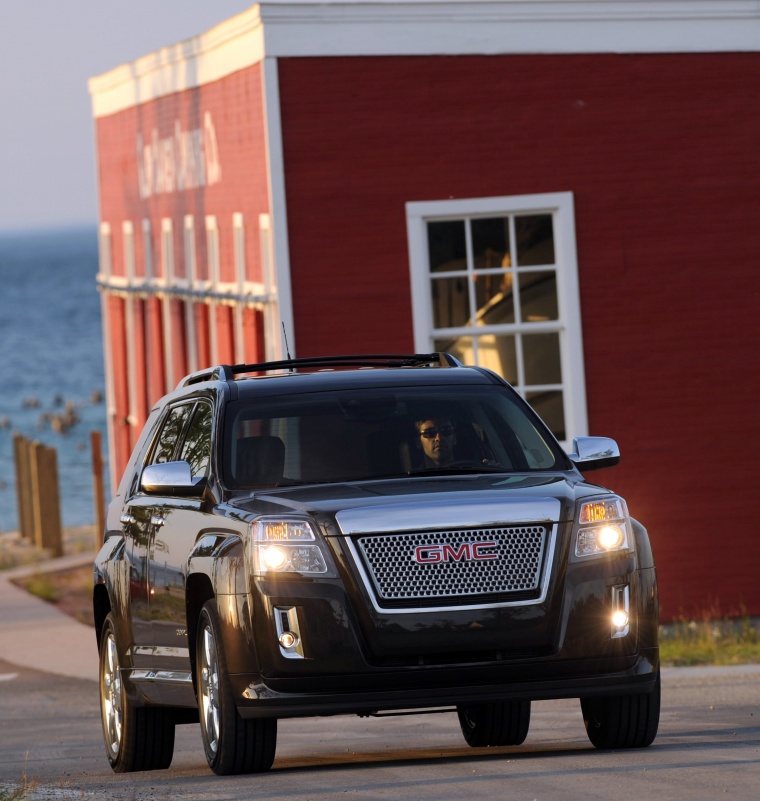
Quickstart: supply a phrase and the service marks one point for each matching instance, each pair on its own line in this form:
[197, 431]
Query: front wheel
[232, 745]
[622, 721]
[501, 723]
[136, 738]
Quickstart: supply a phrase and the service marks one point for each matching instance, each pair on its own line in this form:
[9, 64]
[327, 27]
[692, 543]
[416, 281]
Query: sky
[50, 48]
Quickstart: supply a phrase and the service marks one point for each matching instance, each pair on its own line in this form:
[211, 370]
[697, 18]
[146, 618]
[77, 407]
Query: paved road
[708, 748]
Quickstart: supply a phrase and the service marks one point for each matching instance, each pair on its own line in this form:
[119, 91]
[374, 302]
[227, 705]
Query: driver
[436, 438]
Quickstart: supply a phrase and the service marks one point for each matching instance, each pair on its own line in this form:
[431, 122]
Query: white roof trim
[282, 28]
[231, 46]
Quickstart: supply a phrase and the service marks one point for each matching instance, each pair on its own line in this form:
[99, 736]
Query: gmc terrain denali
[313, 537]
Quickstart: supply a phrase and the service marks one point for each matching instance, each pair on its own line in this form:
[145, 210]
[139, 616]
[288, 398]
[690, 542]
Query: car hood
[421, 502]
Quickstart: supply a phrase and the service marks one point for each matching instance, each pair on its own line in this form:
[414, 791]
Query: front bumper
[447, 687]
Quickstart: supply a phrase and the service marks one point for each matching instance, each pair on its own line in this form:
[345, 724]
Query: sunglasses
[432, 433]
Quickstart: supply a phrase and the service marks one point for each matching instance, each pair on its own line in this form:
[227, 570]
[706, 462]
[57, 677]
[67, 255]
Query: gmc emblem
[466, 552]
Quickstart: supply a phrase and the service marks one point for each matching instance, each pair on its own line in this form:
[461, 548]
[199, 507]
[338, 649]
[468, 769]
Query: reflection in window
[535, 240]
[196, 448]
[493, 286]
[170, 432]
[550, 408]
[447, 246]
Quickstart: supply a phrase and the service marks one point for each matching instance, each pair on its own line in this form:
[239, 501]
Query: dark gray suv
[355, 535]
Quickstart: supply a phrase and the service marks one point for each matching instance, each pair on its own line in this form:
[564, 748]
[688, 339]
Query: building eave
[288, 29]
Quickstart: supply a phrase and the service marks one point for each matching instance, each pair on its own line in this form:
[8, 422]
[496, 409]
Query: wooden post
[97, 488]
[45, 499]
[21, 453]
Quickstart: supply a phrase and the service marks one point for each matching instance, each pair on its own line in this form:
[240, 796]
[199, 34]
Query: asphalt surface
[708, 745]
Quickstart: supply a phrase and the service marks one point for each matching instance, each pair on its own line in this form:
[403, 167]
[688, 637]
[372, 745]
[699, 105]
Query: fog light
[621, 611]
[620, 619]
[288, 632]
[288, 639]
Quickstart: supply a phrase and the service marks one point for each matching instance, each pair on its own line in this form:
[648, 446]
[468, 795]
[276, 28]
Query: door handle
[156, 520]
[127, 519]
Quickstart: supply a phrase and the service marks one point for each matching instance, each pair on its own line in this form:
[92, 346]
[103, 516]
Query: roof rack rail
[226, 372]
[363, 360]
[216, 373]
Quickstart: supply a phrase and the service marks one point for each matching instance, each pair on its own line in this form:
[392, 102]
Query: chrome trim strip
[286, 619]
[433, 511]
[171, 676]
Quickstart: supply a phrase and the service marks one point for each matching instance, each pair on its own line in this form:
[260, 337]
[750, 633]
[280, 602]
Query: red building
[563, 191]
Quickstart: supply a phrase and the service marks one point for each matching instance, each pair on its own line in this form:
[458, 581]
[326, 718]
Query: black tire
[232, 745]
[622, 721]
[136, 737]
[501, 723]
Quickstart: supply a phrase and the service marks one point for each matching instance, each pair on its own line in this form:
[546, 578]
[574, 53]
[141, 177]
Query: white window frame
[568, 326]
[191, 268]
[191, 279]
[106, 258]
[214, 268]
[128, 236]
[147, 251]
[272, 320]
[238, 244]
[167, 266]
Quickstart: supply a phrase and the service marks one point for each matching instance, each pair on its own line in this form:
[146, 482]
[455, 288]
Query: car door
[140, 520]
[176, 524]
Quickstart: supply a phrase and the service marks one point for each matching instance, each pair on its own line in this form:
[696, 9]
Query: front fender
[216, 569]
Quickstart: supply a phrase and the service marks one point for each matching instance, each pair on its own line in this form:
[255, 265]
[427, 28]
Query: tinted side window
[196, 448]
[170, 433]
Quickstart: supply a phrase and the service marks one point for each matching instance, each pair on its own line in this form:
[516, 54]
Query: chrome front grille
[442, 568]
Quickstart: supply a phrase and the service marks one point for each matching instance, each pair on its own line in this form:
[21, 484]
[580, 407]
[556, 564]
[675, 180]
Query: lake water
[51, 354]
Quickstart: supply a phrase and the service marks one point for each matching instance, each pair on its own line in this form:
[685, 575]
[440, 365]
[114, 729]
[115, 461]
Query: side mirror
[593, 453]
[172, 478]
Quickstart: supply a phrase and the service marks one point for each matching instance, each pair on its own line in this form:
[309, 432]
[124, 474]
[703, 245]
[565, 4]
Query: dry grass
[711, 640]
[69, 590]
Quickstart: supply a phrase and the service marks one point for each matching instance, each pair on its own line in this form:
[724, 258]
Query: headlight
[602, 527]
[286, 546]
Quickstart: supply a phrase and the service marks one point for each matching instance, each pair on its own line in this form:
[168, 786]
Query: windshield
[362, 434]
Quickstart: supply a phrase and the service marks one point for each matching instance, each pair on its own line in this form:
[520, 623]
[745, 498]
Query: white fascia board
[228, 47]
[490, 27]
[430, 27]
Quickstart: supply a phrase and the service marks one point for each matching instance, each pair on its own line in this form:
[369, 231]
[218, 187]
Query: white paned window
[494, 283]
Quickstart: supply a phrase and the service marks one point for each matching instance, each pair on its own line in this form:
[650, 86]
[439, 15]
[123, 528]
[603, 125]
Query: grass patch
[710, 640]
[42, 586]
[69, 590]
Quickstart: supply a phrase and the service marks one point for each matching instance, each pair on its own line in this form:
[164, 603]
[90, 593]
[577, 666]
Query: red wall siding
[156, 365]
[661, 154]
[253, 336]
[120, 399]
[140, 376]
[235, 104]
